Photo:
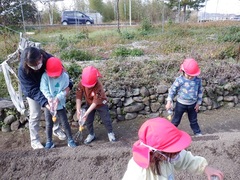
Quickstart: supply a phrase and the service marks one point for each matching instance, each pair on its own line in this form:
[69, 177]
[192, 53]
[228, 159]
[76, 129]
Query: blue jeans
[104, 115]
[192, 116]
[62, 117]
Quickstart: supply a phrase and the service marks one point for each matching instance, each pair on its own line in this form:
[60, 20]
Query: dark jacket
[30, 82]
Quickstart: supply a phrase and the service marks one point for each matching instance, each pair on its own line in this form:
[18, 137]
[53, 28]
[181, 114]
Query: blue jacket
[188, 91]
[30, 82]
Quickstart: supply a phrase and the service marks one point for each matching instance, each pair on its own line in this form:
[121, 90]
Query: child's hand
[168, 105]
[209, 171]
[85, 116]
[197, 107]
[67, 90]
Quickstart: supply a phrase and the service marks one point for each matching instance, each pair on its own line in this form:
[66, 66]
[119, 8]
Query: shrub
[62, 42]
[232, 34]
[124, 52]
[77, 55]
[74, 70]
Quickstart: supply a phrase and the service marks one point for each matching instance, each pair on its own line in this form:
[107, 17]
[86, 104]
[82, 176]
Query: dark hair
[31, 55]
[157, 159]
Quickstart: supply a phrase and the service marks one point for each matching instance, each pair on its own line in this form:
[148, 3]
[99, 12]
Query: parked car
[75, 17]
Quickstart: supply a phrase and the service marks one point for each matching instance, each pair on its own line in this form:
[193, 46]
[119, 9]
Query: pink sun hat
[158, 134]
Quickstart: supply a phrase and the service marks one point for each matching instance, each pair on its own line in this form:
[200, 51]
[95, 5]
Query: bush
[74, 71]
[77, 55]
[124, 52]
[62, 42]
[232, 34]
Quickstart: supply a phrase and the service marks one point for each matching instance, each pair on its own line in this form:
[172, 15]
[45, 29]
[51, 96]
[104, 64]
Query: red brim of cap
[195, 74]
[141, 153]
[54, 74]
[87, 85]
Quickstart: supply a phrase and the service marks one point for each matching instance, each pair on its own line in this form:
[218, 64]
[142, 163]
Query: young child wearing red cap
[91, 88]
[188, 88]
[53, 84]
[159, 152]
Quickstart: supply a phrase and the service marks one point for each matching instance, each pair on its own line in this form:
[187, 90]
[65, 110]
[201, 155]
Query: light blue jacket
[55, 87]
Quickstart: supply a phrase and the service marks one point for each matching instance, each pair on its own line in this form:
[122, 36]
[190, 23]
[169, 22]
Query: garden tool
[78, 137]
[170, 114]
[53, 103]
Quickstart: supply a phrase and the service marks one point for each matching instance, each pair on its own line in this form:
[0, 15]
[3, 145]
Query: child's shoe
[37, 145]
[111, 137]
[89, 139]
[49, 145]
[198, 135]
[71, 143]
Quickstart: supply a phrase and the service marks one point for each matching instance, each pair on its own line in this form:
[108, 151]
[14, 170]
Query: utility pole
[179, 10]
[23, 18]
[130, 12]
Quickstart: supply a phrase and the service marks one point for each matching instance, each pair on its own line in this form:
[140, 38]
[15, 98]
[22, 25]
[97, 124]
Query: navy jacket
[30, 82]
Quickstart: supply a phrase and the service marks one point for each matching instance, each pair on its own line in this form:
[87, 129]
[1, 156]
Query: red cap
[190, 67]
[90, 75]
[158, 134]
[54, 67]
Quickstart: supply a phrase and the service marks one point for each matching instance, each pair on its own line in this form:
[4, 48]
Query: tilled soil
[105, 160]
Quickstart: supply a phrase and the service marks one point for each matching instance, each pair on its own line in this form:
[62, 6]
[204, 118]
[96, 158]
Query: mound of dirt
[104, 160]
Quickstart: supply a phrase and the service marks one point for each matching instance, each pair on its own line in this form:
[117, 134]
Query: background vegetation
[207, 42]
[19, 13]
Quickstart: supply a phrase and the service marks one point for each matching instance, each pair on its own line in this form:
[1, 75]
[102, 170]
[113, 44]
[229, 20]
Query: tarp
[16, 96]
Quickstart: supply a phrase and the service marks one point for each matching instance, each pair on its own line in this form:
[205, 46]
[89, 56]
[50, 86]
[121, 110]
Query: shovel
[78, 137]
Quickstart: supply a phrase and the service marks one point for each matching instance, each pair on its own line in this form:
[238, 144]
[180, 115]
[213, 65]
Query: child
[96, 100]
[188, 88]
[159, 152]
[53, 84]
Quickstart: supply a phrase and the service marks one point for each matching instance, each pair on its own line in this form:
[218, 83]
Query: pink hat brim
[141, 154]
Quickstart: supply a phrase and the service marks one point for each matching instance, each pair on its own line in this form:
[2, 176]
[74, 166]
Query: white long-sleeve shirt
[193, 164]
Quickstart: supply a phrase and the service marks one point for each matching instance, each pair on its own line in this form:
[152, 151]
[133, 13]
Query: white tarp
[16, 96]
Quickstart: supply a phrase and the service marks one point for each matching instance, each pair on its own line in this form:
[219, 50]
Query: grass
[204, 41]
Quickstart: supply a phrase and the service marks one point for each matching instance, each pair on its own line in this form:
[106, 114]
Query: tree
[11, 14]
[184, 4]
[96, 5]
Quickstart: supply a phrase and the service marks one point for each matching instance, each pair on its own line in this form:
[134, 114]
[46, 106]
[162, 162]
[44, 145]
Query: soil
[105, 160]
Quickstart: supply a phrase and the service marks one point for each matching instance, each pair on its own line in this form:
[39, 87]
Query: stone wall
[150, 102]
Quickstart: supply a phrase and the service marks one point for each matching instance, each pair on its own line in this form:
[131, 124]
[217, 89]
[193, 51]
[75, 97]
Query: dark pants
[192, 116]
[105, 117]
[62, 117]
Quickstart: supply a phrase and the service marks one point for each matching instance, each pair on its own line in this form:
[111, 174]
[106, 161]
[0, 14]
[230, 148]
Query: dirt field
[103, 160]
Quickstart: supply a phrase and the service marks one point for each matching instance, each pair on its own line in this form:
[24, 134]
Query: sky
[222, 6]
[212, 6]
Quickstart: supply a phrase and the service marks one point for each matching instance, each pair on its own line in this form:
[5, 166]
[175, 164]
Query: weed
[77, 55]
[124, 52]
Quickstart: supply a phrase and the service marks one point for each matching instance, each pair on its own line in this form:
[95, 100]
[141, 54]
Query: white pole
[23, 18]
[130, 13]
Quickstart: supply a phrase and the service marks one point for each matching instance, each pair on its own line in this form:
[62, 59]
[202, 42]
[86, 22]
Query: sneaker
[89, 139]
[49, 145]
[198, 134]
[111, 137]
[37, 145]
[60, 134]
[71, 143]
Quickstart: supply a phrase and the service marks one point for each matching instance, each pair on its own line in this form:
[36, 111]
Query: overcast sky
[222, 6]
[213, 6]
